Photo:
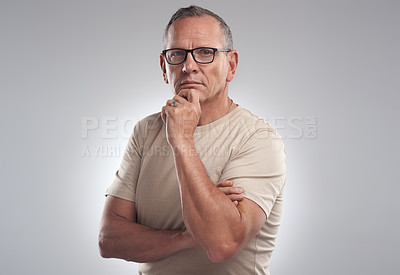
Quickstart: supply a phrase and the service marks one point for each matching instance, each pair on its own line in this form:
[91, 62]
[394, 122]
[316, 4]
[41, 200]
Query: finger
[166, 112]
[163, 114]
[234, 190]
[225, 184]
[231, 190]
[183, 93]
[170, 102]
[165, 109]
[180, 99]
[236, 197]
[226, 190]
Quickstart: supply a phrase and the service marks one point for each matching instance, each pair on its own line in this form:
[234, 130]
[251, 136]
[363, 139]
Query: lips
[190, 83]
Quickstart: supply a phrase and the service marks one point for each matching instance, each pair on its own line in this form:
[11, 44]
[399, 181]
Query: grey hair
[195, 11]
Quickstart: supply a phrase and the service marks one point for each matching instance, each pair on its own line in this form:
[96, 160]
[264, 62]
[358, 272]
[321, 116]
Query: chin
[187, 90]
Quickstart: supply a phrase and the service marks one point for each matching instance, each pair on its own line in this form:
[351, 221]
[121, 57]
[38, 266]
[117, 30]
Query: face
[210, 81]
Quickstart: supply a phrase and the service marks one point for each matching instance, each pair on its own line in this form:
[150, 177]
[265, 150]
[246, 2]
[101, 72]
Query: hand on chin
[184, 92]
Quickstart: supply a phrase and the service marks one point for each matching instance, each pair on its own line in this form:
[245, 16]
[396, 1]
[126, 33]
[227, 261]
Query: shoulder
[259, 147]
[148, 123]
[147, 128]
[245, 123]
[151, 120]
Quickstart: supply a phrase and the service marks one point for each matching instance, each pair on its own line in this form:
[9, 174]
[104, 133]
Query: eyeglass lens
[202, 55]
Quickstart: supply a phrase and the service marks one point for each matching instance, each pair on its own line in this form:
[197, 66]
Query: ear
[163, 69]
[233, 60]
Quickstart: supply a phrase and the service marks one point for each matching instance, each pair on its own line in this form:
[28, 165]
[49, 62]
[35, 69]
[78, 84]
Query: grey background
[66, 62]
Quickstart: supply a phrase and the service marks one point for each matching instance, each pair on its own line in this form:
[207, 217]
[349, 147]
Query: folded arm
[220, 227]
[121, 237]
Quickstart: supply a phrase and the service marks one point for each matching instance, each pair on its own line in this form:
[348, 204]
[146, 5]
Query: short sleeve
[258, 167]
[124, 185]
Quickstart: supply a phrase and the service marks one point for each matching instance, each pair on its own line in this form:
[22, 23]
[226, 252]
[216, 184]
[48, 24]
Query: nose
[190, 65]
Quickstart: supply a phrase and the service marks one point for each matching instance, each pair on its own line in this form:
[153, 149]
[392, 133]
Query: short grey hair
[196, 11]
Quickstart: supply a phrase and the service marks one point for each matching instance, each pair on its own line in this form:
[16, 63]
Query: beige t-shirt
[238, 146]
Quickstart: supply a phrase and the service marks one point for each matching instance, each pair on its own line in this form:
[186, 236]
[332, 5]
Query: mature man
[200, 186]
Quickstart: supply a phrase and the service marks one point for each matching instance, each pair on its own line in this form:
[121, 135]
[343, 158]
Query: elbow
[103, 247]
[222, 252]
[107, 250]
[103, 250]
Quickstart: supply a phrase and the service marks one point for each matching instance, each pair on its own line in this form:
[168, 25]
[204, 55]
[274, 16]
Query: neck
[212, 110]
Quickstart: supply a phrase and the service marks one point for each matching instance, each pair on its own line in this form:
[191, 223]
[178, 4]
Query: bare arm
[121, 237]
[220, 228]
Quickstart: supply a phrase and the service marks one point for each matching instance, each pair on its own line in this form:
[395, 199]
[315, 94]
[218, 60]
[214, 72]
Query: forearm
[211, 217]
[120, 238]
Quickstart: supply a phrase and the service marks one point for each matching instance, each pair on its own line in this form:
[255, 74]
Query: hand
[182, 119]
[235, 194]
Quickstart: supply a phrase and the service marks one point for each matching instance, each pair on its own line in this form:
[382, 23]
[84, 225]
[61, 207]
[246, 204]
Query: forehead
[194, 32]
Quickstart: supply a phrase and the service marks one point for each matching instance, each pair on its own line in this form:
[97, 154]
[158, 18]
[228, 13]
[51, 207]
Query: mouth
[189, 83]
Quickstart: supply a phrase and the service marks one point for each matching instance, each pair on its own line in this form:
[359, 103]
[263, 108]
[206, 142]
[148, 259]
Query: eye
[205, 52]
[177, 53]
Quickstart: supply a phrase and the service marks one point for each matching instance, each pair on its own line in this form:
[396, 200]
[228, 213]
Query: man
[200, 187]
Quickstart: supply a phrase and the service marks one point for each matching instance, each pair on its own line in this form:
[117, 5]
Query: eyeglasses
[202, 55]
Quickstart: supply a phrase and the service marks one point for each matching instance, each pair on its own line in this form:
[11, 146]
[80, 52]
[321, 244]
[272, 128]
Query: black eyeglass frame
[191, 52]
